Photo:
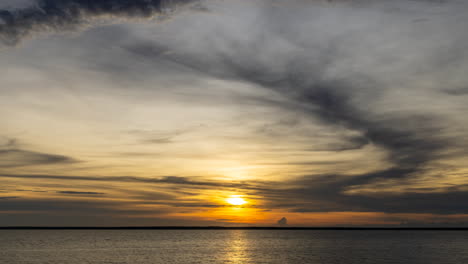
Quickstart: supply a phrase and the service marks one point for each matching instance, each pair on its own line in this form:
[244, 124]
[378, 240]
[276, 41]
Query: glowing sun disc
[236, 201]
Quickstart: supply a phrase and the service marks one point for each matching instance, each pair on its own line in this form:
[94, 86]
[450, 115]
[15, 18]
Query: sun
[236, 200]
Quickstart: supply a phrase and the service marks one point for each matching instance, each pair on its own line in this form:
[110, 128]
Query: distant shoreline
[229, 228]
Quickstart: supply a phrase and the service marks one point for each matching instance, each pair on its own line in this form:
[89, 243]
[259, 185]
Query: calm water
[232, 246]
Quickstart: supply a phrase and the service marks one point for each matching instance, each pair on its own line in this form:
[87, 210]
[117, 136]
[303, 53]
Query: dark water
[232, 246]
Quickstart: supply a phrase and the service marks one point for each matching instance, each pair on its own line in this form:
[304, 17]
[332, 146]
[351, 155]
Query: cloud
[283, 221]
[176, 180]
[157, 137]
[324, 194]
[457, 92]
[12, 156]
[73, 207]
[34, 191]
[63, 15]
[67, 212]
[16, 4]
[151, 195]
[80, 193]
[17, 158]
[7, 197]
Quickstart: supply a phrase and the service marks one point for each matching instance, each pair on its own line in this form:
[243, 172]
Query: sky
[309, 112]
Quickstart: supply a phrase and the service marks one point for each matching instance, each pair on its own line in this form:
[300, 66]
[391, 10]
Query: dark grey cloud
[67, 207]
[432, 203]
[196, 205]
[144, 49]
[11, 156]
[62, 15]
[325, 194]
[283, 221]
[7, 197]
[457, 91]
[150, 195]
[80, 193]
[66, 212]
[175, 180]
[35, 191]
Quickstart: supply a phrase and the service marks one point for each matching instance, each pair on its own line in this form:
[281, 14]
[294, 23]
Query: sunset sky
[146, 112]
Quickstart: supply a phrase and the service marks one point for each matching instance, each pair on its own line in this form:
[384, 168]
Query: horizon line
[221, 228]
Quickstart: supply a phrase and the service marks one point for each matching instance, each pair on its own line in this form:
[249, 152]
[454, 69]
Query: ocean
[233, 246]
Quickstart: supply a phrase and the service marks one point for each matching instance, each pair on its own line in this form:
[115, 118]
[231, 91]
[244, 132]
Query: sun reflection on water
[238, 248]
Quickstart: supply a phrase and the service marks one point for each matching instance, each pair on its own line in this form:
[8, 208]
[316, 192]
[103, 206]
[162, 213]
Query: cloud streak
[62, 15]
[176, 180]
[7, 197]
[11, 156]
[80, 193]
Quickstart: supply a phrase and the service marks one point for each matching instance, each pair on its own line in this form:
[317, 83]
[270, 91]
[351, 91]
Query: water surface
[233, 246]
